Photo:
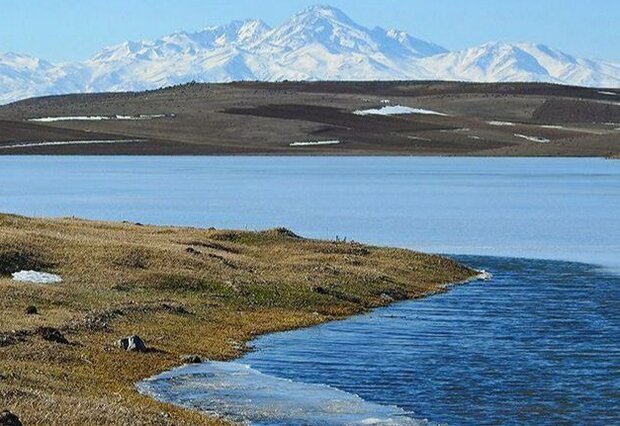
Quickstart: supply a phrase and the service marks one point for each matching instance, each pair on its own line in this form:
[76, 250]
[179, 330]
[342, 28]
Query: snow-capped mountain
[319, 43]
[522, 62]
[22, 76]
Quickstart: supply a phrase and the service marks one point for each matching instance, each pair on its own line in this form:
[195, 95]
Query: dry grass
[184, 291]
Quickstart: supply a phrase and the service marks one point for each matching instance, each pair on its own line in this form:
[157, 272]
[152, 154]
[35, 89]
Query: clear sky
[65, 30]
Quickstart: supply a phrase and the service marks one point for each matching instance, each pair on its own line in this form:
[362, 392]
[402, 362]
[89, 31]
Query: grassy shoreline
[184, 291]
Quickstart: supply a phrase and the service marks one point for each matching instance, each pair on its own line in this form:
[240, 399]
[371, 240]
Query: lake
[537, 344]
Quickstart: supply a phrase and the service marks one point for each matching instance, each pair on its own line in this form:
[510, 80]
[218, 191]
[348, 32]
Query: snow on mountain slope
[319, 43]
[521, 62]
[22, 76]
[580, 72]
[213, 54]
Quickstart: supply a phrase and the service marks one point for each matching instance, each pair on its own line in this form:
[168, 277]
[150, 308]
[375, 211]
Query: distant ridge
[319, 43]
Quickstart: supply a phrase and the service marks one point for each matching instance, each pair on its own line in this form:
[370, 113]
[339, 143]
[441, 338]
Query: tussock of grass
[184, 291]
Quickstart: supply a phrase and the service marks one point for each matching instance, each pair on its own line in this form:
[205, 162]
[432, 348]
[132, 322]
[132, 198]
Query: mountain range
[319, 43]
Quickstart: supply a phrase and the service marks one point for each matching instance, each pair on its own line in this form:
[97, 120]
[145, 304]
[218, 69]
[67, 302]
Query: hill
[321, 118]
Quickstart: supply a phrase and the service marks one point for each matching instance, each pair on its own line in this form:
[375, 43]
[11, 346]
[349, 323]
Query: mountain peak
[319, 25]
[252, 30]
[324, 11]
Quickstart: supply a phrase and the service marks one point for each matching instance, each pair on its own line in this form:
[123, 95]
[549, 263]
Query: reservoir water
[539, 344]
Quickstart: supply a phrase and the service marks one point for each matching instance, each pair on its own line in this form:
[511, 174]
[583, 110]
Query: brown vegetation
[184, 291]
[265, 118]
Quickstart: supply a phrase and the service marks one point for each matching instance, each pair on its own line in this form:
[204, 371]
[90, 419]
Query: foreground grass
[184, 291]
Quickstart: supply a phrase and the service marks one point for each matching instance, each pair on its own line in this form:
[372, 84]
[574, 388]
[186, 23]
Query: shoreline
[159, 282]
[71, 149]
[308, 155]
[247, 347]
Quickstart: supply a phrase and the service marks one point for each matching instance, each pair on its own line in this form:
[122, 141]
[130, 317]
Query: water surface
[554, 208]
[537, 345]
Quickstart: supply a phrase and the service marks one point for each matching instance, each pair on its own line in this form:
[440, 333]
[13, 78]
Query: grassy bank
[184, 291]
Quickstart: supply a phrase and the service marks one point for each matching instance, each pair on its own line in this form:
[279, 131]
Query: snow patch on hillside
[396, 110]
[314, 143]
[60, 143]
[538, 139]
[97, 118]
[37, 277]
[500, 123]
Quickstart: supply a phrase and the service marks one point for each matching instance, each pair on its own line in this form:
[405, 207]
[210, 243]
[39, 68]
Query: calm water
[563, 209]
[537, 345]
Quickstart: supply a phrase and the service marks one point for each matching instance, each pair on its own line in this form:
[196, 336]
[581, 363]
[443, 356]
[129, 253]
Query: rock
[9, 419]
[191, 359]
[32, 310]
[53, 335]
[131, 344]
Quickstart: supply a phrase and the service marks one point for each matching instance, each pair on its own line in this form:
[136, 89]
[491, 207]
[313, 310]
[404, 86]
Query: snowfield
[396, 110]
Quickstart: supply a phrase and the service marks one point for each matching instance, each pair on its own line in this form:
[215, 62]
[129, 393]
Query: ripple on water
[539, 344]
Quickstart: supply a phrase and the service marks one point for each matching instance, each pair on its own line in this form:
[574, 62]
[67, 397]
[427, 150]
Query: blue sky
[64, 30]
